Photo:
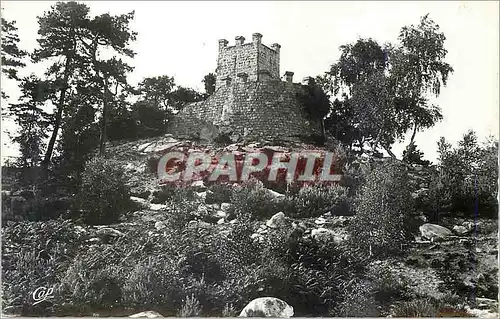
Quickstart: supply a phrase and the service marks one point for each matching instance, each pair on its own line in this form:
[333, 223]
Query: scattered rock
[434, 232]
[225, 207]
[469, 225]
[199, 185]
[214, 206]
[80, 230]
[153, 148]
[327, 214]
[142, 147]
[481, 313]
[157, 207]
[107, 231]
[262, 229]
[267, 307]
[276, 149]
[460, 230]
[276, 221]
[320, 231]
[220, 214]
[146, 314]
[320, 221]
[328, 234]
[275, 194]
[202, 210]
[257, 237]
[138, 200]
[159, 225]
[202, 195]
[486, 303]
[232, 147]
[199, 224]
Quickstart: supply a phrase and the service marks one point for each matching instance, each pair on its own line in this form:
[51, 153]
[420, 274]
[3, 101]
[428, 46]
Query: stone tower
[244, 62]
[250, 102]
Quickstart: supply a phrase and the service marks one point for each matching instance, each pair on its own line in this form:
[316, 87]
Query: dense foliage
[104, 196]
[382, 223]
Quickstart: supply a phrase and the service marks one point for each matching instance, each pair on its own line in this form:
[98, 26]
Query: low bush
[359, 301]
[153, 281]
[35, 254]
[313, 201]
[93, 281]
[416, 308]
[219, 193]
[253, 198]
[171, 192]
[448, 306]
[103, 195]
[190, 308]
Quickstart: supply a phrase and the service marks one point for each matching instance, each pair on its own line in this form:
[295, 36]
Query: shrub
[34, 255]
[383, 213]
[103, 196]
[92, 281]
[171, 192]
[27, 271]
[358, 301]
[219, 193]
[448, 306]
[467, 179]
[190, 308]
[153, 281]
[416, 308]
[229, 310]
[181, 210]
[319, 274]
[313, 201]
[388, 284]
[252, 198]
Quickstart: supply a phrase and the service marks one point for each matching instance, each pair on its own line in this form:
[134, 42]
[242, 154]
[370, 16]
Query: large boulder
[435, 232]
[267, 307]
[277, 220]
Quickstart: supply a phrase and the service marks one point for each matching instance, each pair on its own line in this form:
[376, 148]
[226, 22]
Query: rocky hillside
[226, 245]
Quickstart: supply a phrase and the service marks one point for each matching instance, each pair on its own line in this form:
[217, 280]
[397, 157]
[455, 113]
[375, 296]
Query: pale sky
[179, 39]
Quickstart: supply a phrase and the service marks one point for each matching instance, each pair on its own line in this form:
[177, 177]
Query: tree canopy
[381, 92]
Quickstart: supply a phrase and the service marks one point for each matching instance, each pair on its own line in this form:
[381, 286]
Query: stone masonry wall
[269, 61]
[248, 111]
[250, 58]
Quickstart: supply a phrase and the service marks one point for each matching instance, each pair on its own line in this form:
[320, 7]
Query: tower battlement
[242, 62]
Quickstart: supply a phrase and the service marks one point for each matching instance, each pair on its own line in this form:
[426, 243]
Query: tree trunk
[323, 131]
[104, 122]
[59, 115]
[388, 150]
[412, 140]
